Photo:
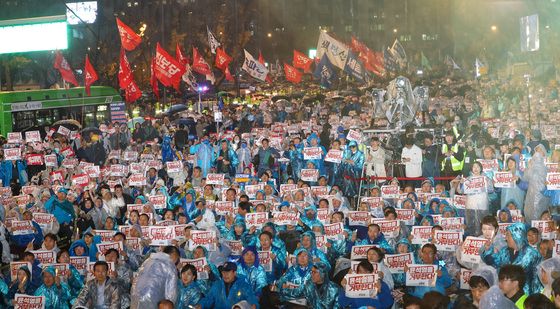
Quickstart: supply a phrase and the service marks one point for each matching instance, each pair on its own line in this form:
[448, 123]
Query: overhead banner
[529, 33]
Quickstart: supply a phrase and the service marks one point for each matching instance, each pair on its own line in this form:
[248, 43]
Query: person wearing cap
[56, 292]
[228, 291]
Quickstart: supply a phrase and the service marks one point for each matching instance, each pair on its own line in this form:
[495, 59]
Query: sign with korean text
[200, 264]
[45, 256]
[360, 285]
[447, 240]
[285, 217]
[312, 153]
[265, 260]
[309, 175]
[256, 219]
[175, 167]
[12, 154]
[503, 180]
[158, 201]
[546, 228]
[421, 234]
[421, 275]
[334, 156]
[390, 191]
[215, 179]
[361, 218]
[470, 249]
[396, 262]
[23, 301]
[334, 231]
[360, 252]
[207, 239]
[474, 185]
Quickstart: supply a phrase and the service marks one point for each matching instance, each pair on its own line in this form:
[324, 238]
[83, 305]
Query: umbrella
[280, 97]
[89, 130]
[134, 121]
[71, 124]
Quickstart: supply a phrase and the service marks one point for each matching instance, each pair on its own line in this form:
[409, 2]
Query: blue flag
[354, 67]
[220, 103]
[325, 72]
[390, 62]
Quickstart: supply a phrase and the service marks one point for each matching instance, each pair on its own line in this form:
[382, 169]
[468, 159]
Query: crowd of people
[291, 203]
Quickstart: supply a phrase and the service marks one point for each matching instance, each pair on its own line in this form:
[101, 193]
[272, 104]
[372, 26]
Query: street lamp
[200, 90]
[494, 28]
[395, 30]
[269, 35]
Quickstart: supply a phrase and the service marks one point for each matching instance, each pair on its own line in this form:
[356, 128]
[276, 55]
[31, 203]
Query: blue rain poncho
[204, 156]
[535, 175]
[316, 254]
[75, 282]
[229, 155]
[55, 297]
[254, 274]
[278, 263]
[296, 159]
[189, 295]
[318, 163]
[379, 241]
[325, 295]
[352, 170]
[309, 221]
[525, 256]
[218, 298]
[296, 275]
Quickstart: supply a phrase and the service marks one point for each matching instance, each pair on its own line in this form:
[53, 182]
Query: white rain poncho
[156, 280]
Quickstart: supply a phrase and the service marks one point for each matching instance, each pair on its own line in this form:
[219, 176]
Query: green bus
[24, 110]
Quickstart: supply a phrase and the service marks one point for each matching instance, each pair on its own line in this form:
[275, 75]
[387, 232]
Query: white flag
[214, 44]
[254, 68]
[337, 52]
[481, 68]
[188, 77]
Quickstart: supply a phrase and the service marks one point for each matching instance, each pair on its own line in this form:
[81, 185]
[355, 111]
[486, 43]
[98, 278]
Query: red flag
[125, 73]
[358, 46]
[302, 62]
[222, 59]
[261, 61]
[167, 69]
[292, 74]
[180, 56]
[64, 68]
[199, 64]
[153, 79]
[90, 76]
[229, 77]
[129, 39]
[132, 92]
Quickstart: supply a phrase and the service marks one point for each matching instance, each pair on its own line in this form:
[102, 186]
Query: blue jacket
[217, 298]
[6, 170]
[526, 257]
[204, 155]
[189, 295]
[296, 160]
[442, 283]
[254, 275]
[63, 211]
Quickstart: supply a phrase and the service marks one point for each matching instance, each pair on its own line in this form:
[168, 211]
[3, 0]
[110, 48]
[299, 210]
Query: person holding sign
[56, 292]
[477, 187]
[7, 169]
[374, 237]
[314, 142]
[64, 213]
[278, 255]
[428, 255]
[309, 243]
[383, 299]
[517, 252]
[21, 284]
[320, 292]
[295, 154]
[291, 284]
[517, 192]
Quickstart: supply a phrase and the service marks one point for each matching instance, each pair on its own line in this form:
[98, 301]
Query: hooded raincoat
[296, 277]
[321, 296]
[254, 274]
[156, 280]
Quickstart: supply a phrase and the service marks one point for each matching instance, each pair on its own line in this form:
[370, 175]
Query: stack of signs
[206, 239]
[360, 285]
[396, 262]
[448, 240]
[470, 249]
[421, 275]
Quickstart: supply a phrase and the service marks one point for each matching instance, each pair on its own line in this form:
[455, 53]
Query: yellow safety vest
[456, 165]
[520, 303]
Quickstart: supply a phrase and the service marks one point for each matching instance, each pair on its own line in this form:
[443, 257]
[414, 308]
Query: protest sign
[32, 137]
[118, 170]
[309, 175]
[470, 249]
[215, 179]
[334, 156]
[92, 171]
[206, 239]
[130, 155]
[265, 260]
[51, 160]
[319, 190]
[354, 135]
[452, 223]
[460, 201]
[133, 243]
[161, 235]
[334, 231]
[12, 154]
[321, 242]
[34, 159]
[80, 180]
[474, 185]
[256, 219]
[15, 266]
[489, 165]
[23, 301]
[223, 208]
[390, 191]
[312, 153]
[421, 234]
[14, 138]
[285, 188]
[447, 240]
[546, 228]
[102, 247]
[360, 218]
[406, 215]
[45, 256]
[465, 277]
[106, 235]
[421, 275]
[323, 215]
[61, 269]
[503, 180]
[174, 166]
[389, 228]
[137, 180]
[24, 227]
[236, 246]
[502, 228]
[80, 263]
[200, 264]
[396, 262]
[360, 252]
[158, 201]
[44, 220]
[360, 285]
[251, 190]
[553, 181]
[285, 217]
